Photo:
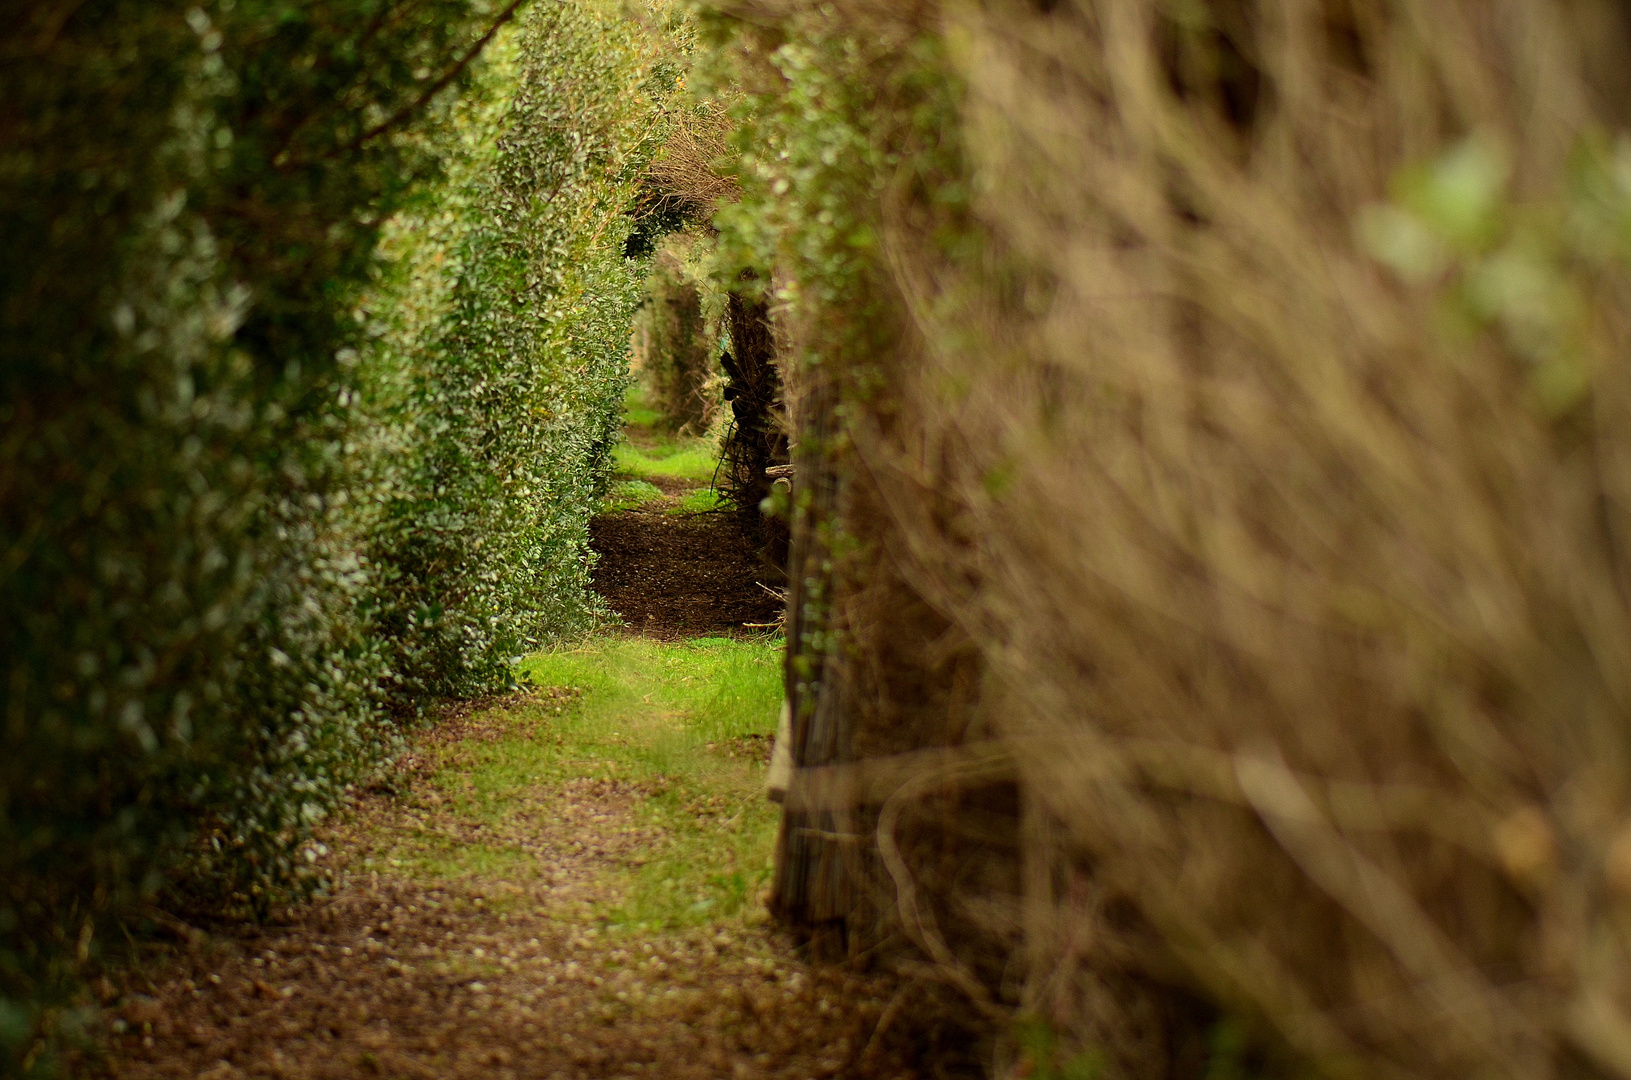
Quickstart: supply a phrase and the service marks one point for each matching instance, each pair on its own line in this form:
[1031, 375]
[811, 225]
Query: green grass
[653, 712]
[637, 410]
[656, 705]
[651, 452]
[687, 459]
[700, 501]
[633, 494]
[629, 494]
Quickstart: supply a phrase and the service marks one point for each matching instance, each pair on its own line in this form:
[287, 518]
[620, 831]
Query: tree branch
[441, 83]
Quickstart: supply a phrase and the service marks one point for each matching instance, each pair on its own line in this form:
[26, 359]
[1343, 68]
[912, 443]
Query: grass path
[563, 883]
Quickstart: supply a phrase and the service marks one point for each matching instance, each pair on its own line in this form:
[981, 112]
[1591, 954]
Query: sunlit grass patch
[654, 706]
[628, 495]
[654, 710]
[663, 720]
[685, 459]
[654, 453]
[713, 867]
[700, 501]
[637, 411]
[426, 858]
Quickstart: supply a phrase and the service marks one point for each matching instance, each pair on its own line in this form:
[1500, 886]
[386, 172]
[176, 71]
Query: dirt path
[504, 973]
[673, 561]
[675, 574]
[477, 921]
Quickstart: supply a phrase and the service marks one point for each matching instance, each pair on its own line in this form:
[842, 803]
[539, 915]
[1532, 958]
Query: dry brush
[1230, 479]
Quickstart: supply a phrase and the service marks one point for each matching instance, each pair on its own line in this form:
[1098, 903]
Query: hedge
[503, 352]
[247, 505]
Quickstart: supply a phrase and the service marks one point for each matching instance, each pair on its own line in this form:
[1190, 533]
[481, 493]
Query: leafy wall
[502, 353]
[257, 487]
[677, 334]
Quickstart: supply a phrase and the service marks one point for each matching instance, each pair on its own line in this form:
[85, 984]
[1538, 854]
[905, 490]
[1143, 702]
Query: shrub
[502, 361]
[203, 441]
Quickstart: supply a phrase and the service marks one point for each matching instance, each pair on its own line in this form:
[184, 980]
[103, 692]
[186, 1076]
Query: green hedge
[504, 352]
[222, 476]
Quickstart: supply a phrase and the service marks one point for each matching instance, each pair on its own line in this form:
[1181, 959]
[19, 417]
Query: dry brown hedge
[1251, 514]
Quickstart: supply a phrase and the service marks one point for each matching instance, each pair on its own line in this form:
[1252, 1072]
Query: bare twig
[441, 82]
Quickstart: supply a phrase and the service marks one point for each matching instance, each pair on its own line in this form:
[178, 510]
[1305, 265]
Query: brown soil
[677, 576]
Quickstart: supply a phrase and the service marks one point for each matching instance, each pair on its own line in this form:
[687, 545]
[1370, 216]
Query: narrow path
[674, 574]
[565, 883]
[673, 562]
[456, 943]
